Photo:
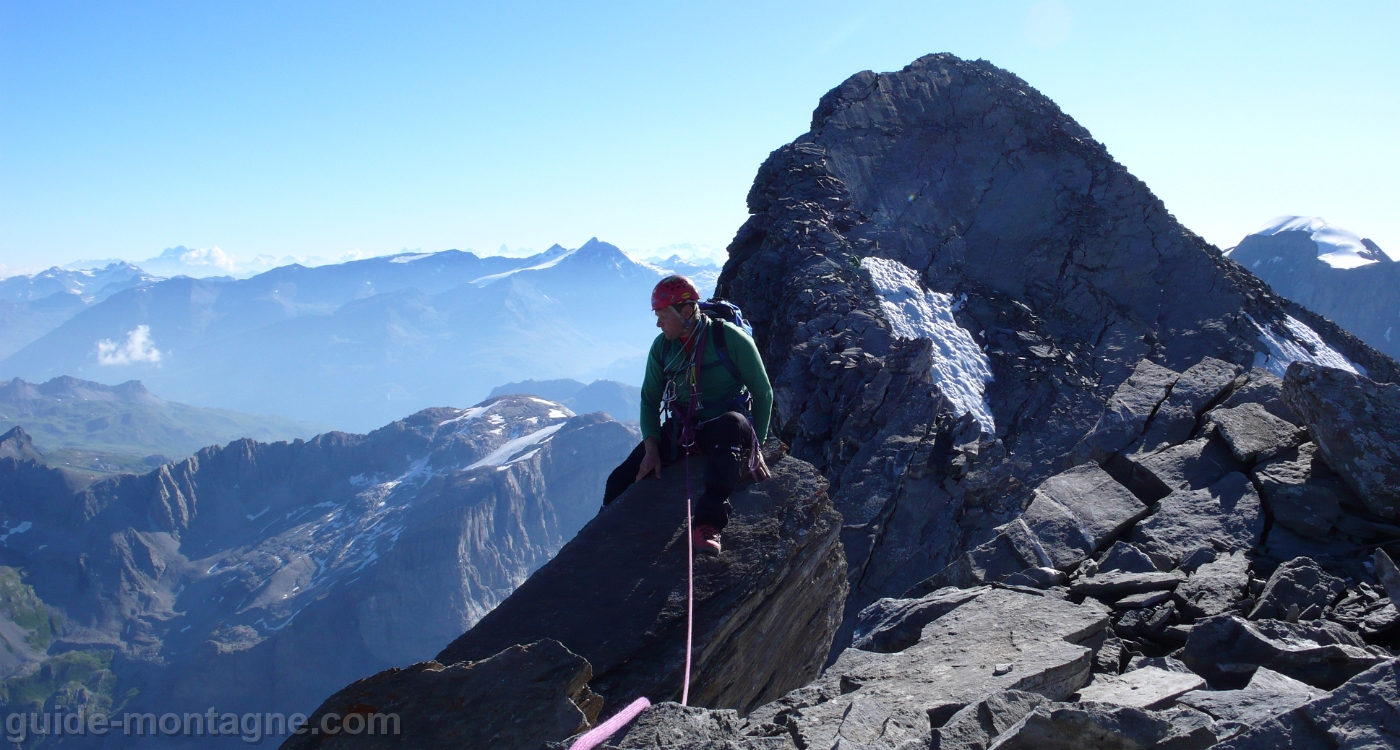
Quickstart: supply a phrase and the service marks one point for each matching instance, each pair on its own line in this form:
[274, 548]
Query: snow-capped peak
[1336, 246]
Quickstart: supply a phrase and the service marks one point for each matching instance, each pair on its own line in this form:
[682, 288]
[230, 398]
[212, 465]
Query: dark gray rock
[883, 700]
[1266, 389]
[1114, 585]
[1142, 599]
[1267, 695]
[765, 610]
[891, 625]
[1216, 587]
[1124, 557]
[1147, 622]
[1363, 714]
[1194, 465]
[1302, 493]
[1126, 414]
[518, 699]
[1388, 574]
[1356, 425]
[1300, 583]
[977, 724]
[1252, 433]
[1227, 649]
[1227, 515]
[671, 726]
[1197, 388]
[1076, 513]
[1147, 687]
[1088, 725]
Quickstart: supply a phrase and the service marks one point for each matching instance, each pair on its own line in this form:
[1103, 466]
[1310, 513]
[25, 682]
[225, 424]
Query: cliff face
[948, 278]
[350, 552]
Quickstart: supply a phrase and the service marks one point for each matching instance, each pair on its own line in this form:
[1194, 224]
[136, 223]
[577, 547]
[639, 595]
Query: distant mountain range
[102, 429]
[357, 344]
[1332, 271]
[621, 401]
[261, 577]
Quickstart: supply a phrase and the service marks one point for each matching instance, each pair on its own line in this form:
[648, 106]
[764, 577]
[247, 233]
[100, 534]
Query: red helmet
[673, 290]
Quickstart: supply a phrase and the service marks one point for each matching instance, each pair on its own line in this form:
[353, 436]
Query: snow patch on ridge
[960, 368]
[1301, 345]
[505, 453]
[1336, 247]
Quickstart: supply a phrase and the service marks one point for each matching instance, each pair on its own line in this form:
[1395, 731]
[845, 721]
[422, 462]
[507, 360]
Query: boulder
[978, 723]
[1123, 557]
[1000, 640]
[670, 725]
[1175, 420]
[1301, 492]
[518, 699]
[1227, 649]
[1148, 687]
[891, 625]
[1266, 389]
[1114, 585]
[1075, 513]
[766, 609]
[1252, 433]
[1268, 694]
[1300, 583]
[1127, 411]
[1087, 725]
[1356, 425]
[1070, 517]
[1216, 587]
[1195, 464]
[1363, 714]
[1227, 515]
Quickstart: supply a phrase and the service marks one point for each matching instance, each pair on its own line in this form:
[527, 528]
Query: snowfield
[961, 369]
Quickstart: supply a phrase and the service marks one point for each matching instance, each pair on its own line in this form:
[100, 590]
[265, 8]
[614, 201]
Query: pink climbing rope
[689, 583]
[600, 734]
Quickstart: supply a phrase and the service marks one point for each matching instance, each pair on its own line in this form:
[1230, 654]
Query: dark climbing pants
[723, 440]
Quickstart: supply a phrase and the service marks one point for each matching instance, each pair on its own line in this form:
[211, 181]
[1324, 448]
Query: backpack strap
[722, 349]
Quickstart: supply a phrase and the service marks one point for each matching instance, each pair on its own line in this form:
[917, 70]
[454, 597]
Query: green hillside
[105, 429]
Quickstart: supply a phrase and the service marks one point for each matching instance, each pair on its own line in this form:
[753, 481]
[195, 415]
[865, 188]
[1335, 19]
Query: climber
[725, 418]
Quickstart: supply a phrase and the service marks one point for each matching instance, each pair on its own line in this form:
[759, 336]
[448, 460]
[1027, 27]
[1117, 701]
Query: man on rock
[724, 415]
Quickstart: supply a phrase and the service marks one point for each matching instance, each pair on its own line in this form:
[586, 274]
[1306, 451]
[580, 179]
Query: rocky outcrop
[353, 552]
[765, 610]
[1356, 424]
[522, 697]
[1026, 275]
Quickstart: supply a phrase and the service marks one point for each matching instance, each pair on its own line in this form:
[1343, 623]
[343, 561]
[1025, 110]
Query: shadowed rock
[1226, 515]
[516, 700]
[1363, 714]
[999, 640]
[765, 610]
[1227, 649]
[1356, 424]
[1300, 583]
[1253, 433]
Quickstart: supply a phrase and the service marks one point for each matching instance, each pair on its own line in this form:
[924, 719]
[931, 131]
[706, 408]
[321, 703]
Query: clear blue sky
[326, 127]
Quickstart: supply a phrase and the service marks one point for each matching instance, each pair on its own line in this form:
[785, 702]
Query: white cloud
[138, 348]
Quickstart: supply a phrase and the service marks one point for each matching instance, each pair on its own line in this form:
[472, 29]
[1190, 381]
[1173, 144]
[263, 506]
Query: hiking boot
[706, 540]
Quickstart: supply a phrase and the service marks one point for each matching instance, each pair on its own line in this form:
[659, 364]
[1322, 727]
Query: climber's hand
[651, 462]
[760, 471]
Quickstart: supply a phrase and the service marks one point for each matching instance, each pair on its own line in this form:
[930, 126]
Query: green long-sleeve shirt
[717, 386]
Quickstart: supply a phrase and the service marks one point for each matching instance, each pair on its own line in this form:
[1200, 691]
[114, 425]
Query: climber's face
[673, 323]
